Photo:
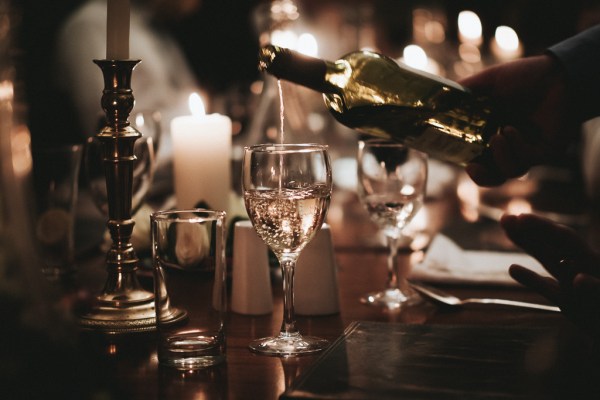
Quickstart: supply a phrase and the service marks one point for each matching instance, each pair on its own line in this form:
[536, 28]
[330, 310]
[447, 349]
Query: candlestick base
[134, 314]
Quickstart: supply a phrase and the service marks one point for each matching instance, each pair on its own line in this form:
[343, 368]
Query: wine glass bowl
[287, 189]
[391, 185]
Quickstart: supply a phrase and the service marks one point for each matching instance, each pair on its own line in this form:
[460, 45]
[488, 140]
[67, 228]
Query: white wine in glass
[287, 189]
[391, 185]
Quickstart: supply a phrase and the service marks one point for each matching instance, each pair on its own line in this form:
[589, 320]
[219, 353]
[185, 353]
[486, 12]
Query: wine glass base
[292, 345]
[392, 298]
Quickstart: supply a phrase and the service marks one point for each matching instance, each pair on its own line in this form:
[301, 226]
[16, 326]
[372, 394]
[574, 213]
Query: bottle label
[444, 145]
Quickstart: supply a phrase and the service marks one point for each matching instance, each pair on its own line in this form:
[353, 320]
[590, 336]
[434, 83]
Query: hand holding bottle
[455, 122]
[530, 97]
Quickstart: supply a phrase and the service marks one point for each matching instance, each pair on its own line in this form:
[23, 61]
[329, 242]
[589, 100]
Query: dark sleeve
[580, 58]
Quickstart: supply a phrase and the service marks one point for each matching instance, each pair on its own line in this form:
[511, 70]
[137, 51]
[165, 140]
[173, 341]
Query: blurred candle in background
[202, 157]
[284, 38]
[469, 28]
[117, 29]
[307, 44]
[518, 206]
[505, 45]
[304, 43]
[470, 35]
[414, 56]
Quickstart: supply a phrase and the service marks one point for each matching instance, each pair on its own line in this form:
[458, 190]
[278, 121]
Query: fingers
[576, 292]
[560, 250]
[509, 157]
[579, 303]
[485, 170]
[483, 82]
[511, 153]
[544, 239]
[547, 287]
[483, 175]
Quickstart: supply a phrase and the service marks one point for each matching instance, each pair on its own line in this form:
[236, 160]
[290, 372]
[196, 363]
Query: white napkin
[446, 262]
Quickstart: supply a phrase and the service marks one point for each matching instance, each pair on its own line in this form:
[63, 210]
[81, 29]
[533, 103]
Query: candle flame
[307, 44]
[415, 57]
[507, 38]
[407, 190]
[518, 206]
[196, 105]
[6, 90]
[284, 38]
[140, 121]
[20, 148]
[469, 25]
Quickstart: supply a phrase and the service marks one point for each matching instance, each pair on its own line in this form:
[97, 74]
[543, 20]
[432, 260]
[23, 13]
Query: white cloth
[445, 262]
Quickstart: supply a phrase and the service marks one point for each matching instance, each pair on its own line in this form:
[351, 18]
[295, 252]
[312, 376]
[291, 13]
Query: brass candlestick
[123, 306]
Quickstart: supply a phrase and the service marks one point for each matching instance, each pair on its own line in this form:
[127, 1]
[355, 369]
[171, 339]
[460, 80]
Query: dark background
[221, 41]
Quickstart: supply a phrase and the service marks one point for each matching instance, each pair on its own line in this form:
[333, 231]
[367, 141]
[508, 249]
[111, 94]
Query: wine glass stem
[288, 326]
[392, 262]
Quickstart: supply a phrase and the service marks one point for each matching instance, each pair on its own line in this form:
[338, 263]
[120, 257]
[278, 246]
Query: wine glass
[391, 185]
[145, 149]
[287, 189]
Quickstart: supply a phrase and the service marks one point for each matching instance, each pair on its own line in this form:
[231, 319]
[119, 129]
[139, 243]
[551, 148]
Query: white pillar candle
[117, 29]
[202, 159]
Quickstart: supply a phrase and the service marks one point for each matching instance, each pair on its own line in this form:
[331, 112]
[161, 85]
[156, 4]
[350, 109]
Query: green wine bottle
[375, 95]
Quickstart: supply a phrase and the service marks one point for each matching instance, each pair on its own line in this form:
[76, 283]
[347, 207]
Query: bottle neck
[295, 67]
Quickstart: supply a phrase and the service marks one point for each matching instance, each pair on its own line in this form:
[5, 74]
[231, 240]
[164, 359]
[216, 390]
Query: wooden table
[129, 366]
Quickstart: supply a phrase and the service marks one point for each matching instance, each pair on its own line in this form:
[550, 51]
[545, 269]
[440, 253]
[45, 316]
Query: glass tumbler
[188, 252]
